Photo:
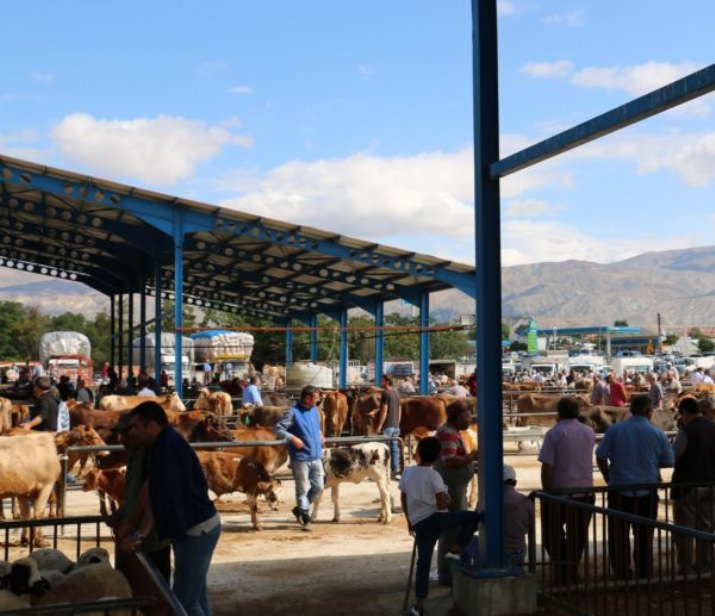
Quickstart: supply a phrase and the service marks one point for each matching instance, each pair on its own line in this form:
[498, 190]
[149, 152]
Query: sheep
[92, 556]
[49, 559]
[87, 583]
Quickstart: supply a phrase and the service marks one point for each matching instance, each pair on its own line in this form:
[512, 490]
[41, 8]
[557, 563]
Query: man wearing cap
[567, 463]
[127, 518]
[43, 415]
[518, 518]
[178, 505]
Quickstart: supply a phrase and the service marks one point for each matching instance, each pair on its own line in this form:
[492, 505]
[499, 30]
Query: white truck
[168, 355]
[66, 354]
[548, 367]
[641, 364]
[228, 352]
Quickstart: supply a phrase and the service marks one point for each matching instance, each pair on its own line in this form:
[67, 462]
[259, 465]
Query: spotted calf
[355, 464]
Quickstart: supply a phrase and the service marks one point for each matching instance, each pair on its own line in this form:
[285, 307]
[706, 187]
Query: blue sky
[356, 117]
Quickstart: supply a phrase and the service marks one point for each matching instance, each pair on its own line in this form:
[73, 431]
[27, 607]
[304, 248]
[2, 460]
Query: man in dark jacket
[43, 415]
[178, 506]
[300, 426]
[694, 462]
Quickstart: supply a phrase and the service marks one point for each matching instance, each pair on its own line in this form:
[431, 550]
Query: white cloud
[159, 150]
[570, 18]
[40, 77]
[366, 70]
[211, 68]
[691, 156]
[548, 70]
[529, 241]
[635, 80]
[505, 7]
[529, 208]
[242, 90]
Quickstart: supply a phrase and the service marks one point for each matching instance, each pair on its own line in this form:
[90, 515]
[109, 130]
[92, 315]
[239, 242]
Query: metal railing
[618, 550]
[82, 540]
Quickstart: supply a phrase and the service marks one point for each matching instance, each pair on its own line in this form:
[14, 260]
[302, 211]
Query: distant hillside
[680, 284]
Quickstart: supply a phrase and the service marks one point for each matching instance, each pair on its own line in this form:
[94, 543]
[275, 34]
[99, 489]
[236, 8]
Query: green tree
[28, 332]
[505, 332]
[706, 345]
[11, 315]
[621, 323]
[671, 339]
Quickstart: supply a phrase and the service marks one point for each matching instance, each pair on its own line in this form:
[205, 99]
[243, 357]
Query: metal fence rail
[595, 553]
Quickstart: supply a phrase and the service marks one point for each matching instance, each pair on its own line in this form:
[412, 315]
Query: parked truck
[228, 352]
[168, 355]
[641, 364]
[66, 354]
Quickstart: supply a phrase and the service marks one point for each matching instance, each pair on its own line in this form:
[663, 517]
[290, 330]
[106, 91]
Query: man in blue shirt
[300, 426]
[633, 452]
[178, 505]
[252, 393]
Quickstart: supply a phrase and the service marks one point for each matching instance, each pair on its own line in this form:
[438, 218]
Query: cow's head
[270, 490]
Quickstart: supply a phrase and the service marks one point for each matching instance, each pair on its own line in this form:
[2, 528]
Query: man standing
[207, 372]
[252, 393]
[178, 505]
[616, 391]
[300, 426]
[567, 462]
[633, 452]
[43, 415]
[388, 421]
[655, 392]
[694, 506]
[455, 467]
[599, 395]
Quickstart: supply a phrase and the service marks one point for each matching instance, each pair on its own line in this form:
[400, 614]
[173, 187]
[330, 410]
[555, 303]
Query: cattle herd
[247, 461]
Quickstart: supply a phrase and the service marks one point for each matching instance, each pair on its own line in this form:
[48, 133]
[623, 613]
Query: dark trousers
[428, 531]
[618, 534]
[565, 536]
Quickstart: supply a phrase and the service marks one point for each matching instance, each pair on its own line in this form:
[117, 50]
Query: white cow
[355, 464]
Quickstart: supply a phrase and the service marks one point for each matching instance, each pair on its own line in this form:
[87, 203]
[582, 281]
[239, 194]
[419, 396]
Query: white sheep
[49, 559]
[87, 583]
[92, 556]
[11, 601]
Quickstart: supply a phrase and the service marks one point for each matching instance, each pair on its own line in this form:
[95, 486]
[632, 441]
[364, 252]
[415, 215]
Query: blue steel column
[343, 377]
[379, 341]
[288, 324]
[178, 297]
[120, 336]
[424, 342]
[488, 279]
[142, 327]
[112, 331]
[313, 323]
[130, 332]
[157, 322]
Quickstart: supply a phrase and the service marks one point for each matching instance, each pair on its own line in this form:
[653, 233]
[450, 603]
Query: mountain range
[677, 284]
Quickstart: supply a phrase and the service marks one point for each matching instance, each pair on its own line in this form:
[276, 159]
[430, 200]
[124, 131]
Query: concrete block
[492, 596]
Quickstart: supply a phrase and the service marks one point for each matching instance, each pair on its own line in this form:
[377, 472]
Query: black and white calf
[355, 464]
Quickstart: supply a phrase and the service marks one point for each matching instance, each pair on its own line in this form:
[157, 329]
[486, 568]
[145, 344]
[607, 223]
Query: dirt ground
[354, 567]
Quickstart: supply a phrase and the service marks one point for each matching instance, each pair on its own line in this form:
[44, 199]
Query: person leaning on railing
[633, 452]
[566, 463]
[694, 506]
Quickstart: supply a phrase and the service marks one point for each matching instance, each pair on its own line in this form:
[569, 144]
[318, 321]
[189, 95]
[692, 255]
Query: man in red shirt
[616, 390]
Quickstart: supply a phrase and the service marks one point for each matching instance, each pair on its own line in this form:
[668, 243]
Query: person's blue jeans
[394, 448]
[308, 476]
[192, 557]
[428, 531]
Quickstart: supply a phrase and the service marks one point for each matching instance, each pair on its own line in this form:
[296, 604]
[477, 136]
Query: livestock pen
[74, 535]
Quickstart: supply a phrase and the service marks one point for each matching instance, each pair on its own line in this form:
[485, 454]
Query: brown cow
[227, 472]
[170, 402]
[425, 413]
[5, 414]
[543, 403]
[364, 413]
[86, 415]
[263, 416]
[109, 484]
[218, 402]
[335, 408]
[271, 457]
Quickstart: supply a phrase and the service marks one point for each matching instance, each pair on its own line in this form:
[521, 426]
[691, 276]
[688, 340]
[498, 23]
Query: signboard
[532, 345]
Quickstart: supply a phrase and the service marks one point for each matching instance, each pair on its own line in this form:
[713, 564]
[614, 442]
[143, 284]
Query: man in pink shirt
[566, 463]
